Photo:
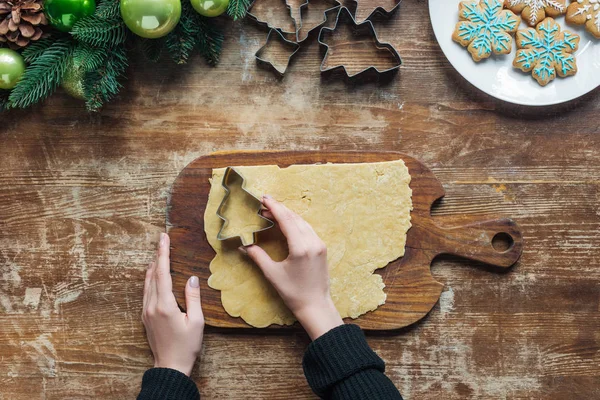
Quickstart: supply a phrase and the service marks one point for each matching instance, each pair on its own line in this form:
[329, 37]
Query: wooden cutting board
[411, 290]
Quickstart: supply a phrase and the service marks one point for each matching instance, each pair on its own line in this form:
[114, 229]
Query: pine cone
[21, 22]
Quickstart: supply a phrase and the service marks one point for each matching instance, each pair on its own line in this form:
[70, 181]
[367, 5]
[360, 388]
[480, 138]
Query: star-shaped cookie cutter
[292, 46]
[229, 173]
[345, 16]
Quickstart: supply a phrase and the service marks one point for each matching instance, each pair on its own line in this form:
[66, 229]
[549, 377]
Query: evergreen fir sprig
[36, 49]
[3, 99]
[210, 40]
[108, 9]
[101, 53]
[102, 85]
[42, 76]
[88, 57]
[194, 31]
[100, 32]
[182, 40]
[237, 9]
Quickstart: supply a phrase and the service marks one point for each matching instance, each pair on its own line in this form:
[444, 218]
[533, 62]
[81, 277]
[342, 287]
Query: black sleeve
[167, 384]
[341, 365]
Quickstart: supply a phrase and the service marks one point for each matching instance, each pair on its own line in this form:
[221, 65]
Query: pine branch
[108, 9]
[43, 75]
[100, 32]
[237, 9]
[4, 100]
[193, 31]
[101, 85]
[210, 40]
[152, 48]
[89, 58]
[184, 38]
[35, 49]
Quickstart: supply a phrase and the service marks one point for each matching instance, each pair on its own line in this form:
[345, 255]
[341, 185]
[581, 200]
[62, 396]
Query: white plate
[497, 77]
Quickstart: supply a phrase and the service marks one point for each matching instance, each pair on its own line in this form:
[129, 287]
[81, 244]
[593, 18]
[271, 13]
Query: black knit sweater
[338, 365]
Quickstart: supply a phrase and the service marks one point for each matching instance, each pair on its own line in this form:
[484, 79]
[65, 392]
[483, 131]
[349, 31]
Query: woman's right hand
[302, 279]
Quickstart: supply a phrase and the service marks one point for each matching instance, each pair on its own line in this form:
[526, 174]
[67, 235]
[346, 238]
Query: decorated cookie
[546, 51]
[534, 11]
[484, 28]
[586, 12]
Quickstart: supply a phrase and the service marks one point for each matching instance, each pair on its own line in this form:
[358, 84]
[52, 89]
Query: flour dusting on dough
[361, 212]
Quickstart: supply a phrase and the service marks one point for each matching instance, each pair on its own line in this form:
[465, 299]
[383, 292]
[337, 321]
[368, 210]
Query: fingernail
[267, 196]
[243, 250]
[162, 240]
[194, 282]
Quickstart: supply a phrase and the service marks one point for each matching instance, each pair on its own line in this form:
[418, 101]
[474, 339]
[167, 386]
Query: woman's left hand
[175, 337]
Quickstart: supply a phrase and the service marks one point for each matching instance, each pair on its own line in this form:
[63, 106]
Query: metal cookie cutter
[276, 63]
[282, 31]
[302, 35]
[295, 14]
[230, 174]
[383, 10]
[366, 27]
[268, 24]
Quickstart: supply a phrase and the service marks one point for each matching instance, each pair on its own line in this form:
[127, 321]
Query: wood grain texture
[410, 288]
[83, 198]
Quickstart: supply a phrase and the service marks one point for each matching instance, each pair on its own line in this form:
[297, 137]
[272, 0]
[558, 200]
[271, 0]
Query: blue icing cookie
[484, 28]
[546, 51]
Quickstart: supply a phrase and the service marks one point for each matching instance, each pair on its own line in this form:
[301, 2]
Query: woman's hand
[302, 279]
[175, 337]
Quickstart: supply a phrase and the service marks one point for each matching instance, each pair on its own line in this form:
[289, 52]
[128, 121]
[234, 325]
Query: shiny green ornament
[12, 68]
[151, 19]
[210, 8]
[63, 14]
[73, 81]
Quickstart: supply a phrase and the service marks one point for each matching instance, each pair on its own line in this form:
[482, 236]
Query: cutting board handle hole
[502, 242]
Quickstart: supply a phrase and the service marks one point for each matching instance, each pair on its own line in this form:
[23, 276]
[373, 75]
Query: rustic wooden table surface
[83, 197]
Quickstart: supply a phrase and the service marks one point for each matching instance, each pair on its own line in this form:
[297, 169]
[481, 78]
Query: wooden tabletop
[83, 197]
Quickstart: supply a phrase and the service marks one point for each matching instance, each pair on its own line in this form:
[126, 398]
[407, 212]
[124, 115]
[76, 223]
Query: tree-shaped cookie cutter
[227, 178]
[366, 27]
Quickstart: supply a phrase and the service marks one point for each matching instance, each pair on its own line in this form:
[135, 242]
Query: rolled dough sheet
[360, 211]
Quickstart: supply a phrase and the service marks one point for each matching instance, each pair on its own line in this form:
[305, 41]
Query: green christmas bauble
[151, 18]
[210, 8]
[63, 14]
[73, 81]
[12, 68]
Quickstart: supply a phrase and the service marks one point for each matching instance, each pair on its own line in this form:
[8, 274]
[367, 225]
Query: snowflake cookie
[546, 51]
[585, 12]
[484, 28]
[534, 11]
